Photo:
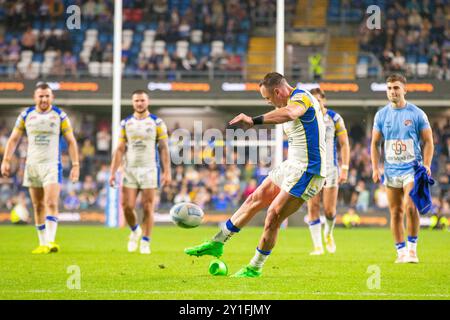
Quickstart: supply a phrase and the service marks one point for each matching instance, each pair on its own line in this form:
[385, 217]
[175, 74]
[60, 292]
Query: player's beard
[44, 106]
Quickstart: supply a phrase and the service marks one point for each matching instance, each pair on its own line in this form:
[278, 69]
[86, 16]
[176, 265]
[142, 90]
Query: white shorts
[40, 175]
[291, 177]
[398, 181]
[332, 177]
[141, 178]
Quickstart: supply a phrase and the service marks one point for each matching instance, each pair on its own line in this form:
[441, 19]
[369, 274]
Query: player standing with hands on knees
[43, 124]
[142, 135]
[291, 183]
[403, 126]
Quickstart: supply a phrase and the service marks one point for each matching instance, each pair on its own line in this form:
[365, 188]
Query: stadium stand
[174, 39]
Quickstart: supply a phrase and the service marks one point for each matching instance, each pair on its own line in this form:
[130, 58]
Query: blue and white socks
[404, 248]
[401, 249]
[259, 258]
[51, 224]
[226, 231]
[412, 244]
[315, 228]
[42, 234]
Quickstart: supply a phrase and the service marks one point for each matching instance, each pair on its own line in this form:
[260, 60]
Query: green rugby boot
[248, 272]
[210, 248]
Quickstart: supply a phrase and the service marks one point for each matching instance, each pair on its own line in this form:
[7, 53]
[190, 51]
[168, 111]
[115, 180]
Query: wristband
[75, 164]
[344, 167]
[258, 120]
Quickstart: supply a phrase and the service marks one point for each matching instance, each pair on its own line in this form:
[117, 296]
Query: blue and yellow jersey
[306, 135]
[44, 131]
[334, 127]
[141, 137]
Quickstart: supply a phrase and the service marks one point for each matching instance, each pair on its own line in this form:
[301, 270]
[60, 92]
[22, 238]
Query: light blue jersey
[401, 129]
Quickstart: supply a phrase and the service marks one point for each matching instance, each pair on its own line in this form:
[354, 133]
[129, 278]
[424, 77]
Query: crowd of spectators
[173, 20]
[412, 32]
[217, 187]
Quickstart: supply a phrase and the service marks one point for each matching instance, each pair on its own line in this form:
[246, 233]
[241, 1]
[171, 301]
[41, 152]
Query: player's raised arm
[11, 146]
[375, 155]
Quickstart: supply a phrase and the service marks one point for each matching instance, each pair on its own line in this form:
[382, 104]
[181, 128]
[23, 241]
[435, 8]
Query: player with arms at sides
[44, 124]
[403, 126]
[142, 135]
[291, 183]
[334, 131]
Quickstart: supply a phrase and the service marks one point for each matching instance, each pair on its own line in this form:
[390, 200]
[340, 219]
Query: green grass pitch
[108, 271]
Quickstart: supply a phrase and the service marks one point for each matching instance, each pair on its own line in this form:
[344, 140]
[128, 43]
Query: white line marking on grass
[257, 293]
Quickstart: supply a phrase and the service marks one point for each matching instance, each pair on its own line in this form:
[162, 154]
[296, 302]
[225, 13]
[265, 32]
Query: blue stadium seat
[245, 25]
[138, 37]
[241, 50]
[9, 36]
[196, 50]
[37, 25]
[363, 60]
[38, 57]
[206, 49]
[423, 59]
[229, 48]
[243, 39]
[141, 27]
[171, 48]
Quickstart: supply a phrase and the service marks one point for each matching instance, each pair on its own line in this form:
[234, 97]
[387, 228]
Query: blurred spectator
[351, 219]
[71, 202]
[19, 212]
[103, 138]
[363, 197]
[70, 64]
[380, 197]
[182, 196]
[28, 40]
[87, 157]
[97, 53]
[58, 66]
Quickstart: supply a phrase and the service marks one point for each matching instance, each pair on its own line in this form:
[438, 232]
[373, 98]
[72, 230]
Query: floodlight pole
[280, 69]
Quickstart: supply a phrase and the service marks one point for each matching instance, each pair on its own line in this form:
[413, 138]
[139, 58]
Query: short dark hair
[396, 77]
[140, 91]
[272, 80]
[42, 85]
[317, 91]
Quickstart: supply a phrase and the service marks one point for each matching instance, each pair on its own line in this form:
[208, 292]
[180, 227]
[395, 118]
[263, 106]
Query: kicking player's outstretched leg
[315, 227]
[258, 200]
[329, 207]
[282, 207]
[129, 196]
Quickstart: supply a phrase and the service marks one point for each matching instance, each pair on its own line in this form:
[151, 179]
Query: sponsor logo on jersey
[398, 147]
[408, 122]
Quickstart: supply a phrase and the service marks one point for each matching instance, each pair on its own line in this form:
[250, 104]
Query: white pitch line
[193, 292]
